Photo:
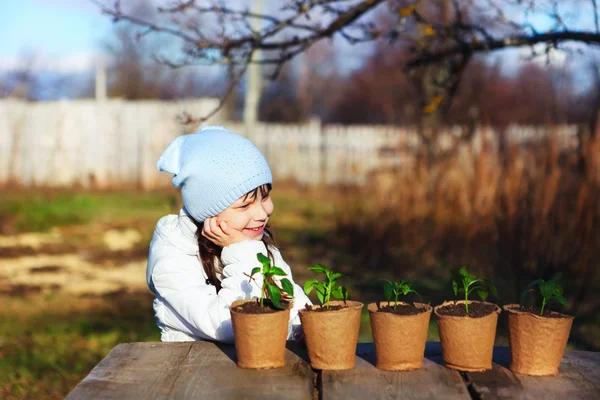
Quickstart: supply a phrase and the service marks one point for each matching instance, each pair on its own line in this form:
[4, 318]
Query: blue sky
[64, 33]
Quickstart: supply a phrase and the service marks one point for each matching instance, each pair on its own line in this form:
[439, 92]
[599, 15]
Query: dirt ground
[38, 262]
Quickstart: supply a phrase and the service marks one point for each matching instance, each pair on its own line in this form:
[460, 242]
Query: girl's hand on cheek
[220, 233]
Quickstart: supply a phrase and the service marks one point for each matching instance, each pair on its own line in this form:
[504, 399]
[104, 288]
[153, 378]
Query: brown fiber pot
[259, 338]
[332, 336]
[537, 344]
[399, 339]
[467, 343]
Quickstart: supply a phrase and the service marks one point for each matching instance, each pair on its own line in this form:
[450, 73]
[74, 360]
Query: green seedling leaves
[287, 286]
[562, 301]
[491, 287]
[482, 294]
[549, 291]
[321, 296]
[309, 285]
[319, 268]
[393, 290]
[463, 272]
[264, 260]
[270, 289]
[276, 271]
[326, 288]
[388, 290]
[467, 283]
[274, 294]
[340, 293]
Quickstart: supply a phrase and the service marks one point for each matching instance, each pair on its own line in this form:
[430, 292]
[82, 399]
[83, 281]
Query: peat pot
[399, 339]
[332, 335]
[260, 338]
[537, 343]
[468, 341]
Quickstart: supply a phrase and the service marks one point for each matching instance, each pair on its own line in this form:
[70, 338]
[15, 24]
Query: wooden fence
[116, 143]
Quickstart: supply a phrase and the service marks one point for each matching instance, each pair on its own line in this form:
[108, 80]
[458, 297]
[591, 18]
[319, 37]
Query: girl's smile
[258, 231]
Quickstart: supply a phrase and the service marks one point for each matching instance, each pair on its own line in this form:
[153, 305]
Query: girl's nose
[260, 212]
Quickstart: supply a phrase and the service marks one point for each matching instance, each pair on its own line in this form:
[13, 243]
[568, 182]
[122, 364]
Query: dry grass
[527, 213]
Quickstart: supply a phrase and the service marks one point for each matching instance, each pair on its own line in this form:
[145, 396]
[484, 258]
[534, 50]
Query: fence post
[100, 79]
[316, 126]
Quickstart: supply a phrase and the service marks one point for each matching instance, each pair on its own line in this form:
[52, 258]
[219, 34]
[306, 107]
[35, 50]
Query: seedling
[327, 287]
[395, 289]
[549, 290]
[269, 289]
[470, 283]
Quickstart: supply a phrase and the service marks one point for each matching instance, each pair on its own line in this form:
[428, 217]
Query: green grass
[49, 343]
[42, 211]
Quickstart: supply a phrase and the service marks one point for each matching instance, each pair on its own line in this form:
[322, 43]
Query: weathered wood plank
[587, 363]
[365, 381]
[133, 370]
[190, 371]
[578, 379]
[210, 372]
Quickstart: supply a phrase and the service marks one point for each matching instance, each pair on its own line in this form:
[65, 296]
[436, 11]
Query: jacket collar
[179, 231]
[187, 229]
[187, 226]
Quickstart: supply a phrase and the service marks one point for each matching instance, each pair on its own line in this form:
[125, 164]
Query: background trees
[428, 59]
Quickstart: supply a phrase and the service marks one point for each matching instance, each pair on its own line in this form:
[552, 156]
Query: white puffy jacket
[186, 307]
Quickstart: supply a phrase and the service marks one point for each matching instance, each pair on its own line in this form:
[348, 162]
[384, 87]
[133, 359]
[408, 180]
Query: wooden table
[208, 370]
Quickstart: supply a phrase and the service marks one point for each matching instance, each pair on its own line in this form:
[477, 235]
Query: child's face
[249, 214]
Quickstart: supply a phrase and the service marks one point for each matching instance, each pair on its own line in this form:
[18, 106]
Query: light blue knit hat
[213, 167]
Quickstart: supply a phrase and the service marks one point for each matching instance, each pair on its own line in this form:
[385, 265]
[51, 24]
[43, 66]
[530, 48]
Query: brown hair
[210, 253]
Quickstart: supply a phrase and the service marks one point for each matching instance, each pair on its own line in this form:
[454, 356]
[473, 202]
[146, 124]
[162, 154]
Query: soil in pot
[537, 343]
[467, 340]
[399, 336]
[401, 309]
[332, 334]
[476, 310]
[260, 334]
[323, 309]
[547, 313]
[253, 307]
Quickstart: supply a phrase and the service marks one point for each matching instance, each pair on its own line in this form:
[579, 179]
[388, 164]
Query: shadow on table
[366, 351]
[501, 356]
[298, 349]
[433, 352]
[228, 350]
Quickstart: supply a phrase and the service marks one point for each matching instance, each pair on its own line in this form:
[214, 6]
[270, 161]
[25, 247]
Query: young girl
[201, 259]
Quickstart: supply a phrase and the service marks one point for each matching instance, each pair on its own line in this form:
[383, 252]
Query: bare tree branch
[515, 41]
[596, 22]
[445, 33]
[188, 119]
